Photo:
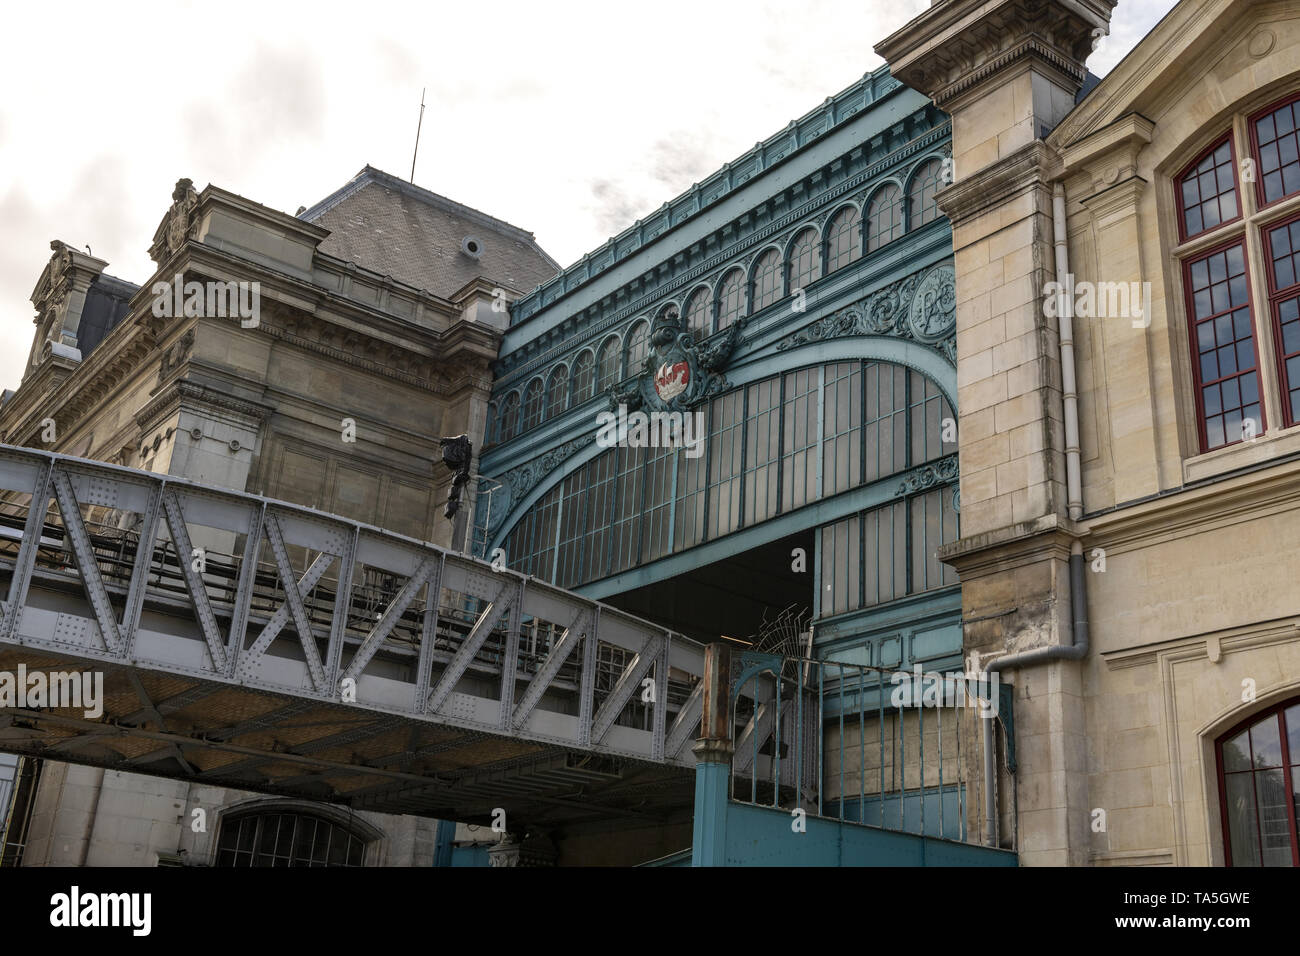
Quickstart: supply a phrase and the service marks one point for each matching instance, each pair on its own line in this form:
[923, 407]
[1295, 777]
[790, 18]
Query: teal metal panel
[709, 839]
[469, 856]
[760, 836]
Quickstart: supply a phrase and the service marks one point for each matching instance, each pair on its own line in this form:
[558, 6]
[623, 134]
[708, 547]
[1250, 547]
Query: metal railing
[862, 744]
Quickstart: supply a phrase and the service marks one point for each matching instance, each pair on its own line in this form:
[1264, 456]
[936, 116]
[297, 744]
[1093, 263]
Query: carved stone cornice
[421, 370]
[169, 400]
[1032, 166]
[954, 48]
[75, 396]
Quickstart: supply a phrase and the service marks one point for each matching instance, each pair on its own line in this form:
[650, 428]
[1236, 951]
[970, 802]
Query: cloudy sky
[569, 119]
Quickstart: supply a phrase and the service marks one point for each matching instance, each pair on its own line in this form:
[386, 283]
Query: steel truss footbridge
[250, 643]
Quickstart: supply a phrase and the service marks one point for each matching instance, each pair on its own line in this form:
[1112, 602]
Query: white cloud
[568, 119]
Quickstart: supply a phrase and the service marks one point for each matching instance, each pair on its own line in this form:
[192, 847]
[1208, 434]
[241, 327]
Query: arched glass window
[884, 217]
[584, 377]
[766, 287]
[638, 347]
[842, 240]
[1259, 782]
[607, 364]
[698, 308]
[493, 424]
[509, 417]
[270, 838]
[769, 447]
[804, 264]
[920, 195]
[730, 298]
[534, 403]
[557, 391]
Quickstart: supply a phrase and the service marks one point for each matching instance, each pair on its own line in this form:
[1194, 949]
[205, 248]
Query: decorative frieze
[929, 476]
[517, 482]
[920, 307]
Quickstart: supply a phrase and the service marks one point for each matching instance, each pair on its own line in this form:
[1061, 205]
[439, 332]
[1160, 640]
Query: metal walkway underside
[250, 643]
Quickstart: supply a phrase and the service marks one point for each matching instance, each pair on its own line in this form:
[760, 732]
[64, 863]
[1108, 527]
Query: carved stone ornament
[678, 372]
[178, 223]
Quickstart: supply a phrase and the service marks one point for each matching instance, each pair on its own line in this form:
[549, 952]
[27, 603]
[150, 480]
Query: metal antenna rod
[417, 134]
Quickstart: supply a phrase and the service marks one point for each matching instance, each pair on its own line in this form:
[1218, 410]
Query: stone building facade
[1128, 443]
[377, 315]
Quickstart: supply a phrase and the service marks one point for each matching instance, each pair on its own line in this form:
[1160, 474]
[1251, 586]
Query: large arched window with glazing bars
[773, 447]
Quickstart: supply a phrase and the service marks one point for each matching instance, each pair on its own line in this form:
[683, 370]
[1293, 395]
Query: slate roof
[389, 225]
[105, 308]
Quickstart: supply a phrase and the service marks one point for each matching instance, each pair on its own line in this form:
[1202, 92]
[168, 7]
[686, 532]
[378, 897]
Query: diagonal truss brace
[32, 531]
[281, 616]
[687, 722]
[293, 597]
[561, 652]
[628, 682]
[506, 597]
[392, 614]
[193, 580]
[87, 564]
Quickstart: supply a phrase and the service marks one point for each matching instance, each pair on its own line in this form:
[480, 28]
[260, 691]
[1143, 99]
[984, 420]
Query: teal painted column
[713, 753]
[712, 779]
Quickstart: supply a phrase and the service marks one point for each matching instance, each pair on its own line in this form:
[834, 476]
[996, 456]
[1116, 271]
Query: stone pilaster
[1007, 72]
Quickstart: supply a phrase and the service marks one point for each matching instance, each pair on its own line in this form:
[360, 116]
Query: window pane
[638, 347]
[1208, 192]
[922, 207]
[557, 391]
[534, 403]
[697, 314]
[1223, 331]
[607, 370]
[762, 449]
[804, 261]
[1243, 832]
[1265, 743]
[1283, 244]
[842, 425]
[842, 241]
[767, 281]
[1279, 152]
[727, 421]
[799, 462]
[884, 217]
[1274, 825]
[584, 377]
[730, 298]
[1236, 752]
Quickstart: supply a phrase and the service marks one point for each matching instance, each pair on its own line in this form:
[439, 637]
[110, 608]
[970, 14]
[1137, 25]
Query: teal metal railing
[899, 750]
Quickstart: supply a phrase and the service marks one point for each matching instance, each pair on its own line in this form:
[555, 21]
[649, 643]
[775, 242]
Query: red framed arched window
[1259, 786]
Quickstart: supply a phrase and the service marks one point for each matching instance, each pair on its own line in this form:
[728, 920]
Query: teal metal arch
[925, 361]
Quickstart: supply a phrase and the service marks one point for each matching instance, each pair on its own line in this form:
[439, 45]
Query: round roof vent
[471, 246]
